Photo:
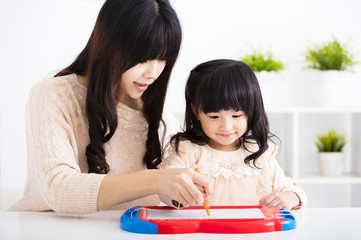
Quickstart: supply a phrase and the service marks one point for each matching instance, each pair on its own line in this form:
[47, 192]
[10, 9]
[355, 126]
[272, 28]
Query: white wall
[39, 37]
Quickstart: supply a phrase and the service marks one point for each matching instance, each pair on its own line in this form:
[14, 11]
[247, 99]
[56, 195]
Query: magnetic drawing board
[222, 219]
[247, 213]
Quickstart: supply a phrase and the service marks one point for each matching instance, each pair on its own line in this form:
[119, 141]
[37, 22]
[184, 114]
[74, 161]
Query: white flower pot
[329, 163]
[276, 89]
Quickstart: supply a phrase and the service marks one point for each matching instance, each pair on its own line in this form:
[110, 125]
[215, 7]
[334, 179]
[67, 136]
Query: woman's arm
[173, 183]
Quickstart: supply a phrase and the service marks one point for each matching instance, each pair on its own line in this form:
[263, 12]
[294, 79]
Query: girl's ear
[194, 111]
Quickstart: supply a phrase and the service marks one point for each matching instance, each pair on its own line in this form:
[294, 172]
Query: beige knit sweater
[57, 136]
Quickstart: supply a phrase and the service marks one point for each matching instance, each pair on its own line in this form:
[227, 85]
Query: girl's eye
[237, 116]
[213, 117]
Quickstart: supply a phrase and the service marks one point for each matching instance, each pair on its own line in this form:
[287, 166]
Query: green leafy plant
[329, 56]
[259, 61]
[330, 141]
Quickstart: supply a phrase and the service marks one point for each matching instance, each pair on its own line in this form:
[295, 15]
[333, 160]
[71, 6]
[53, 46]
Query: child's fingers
[267, 199]
[275, 202]
[276, 199]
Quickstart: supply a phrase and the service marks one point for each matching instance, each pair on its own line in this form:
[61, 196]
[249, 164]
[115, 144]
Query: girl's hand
[183, 185]
[286, 200]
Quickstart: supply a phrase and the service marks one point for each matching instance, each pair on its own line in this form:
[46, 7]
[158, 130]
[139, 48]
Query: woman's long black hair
[127, 32]
[225, 85]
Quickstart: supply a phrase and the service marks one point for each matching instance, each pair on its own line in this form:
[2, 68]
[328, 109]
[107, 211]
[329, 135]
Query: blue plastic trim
[130, 222]
[289, 222]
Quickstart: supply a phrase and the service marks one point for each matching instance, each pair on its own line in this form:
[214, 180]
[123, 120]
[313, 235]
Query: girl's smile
[225, 135]
[223, 128]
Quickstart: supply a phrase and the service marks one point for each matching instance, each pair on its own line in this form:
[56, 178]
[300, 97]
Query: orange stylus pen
[205, 203]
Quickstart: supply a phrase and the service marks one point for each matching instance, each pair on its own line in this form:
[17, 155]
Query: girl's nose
[226, 124]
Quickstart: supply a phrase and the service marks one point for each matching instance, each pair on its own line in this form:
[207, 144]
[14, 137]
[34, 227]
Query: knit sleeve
[52, 151]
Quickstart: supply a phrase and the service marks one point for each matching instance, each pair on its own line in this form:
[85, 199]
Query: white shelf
[314, 110]
[297, 128]
[317, 179]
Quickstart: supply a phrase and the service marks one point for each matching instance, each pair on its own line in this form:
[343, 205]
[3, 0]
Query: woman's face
[136, 80]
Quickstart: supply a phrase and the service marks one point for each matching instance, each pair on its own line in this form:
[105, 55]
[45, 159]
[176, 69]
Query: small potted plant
[330, 155]
[260, 61]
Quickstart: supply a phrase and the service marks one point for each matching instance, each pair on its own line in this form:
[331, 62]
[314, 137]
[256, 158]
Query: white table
[312, 223]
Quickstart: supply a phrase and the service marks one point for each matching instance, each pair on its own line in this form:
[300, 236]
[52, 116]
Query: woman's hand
[183, 185]
[286, 200]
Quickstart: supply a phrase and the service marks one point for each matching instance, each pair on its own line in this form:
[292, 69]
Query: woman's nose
[154, 69]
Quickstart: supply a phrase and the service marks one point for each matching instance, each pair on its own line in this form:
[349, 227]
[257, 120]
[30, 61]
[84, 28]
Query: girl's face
[136, 80]
[223, 128]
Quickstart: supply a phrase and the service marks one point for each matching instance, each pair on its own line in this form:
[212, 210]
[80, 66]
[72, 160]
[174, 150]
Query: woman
[95, 128]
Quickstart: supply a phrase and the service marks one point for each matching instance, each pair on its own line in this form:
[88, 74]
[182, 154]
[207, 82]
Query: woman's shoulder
[57, 90]
[60, 84]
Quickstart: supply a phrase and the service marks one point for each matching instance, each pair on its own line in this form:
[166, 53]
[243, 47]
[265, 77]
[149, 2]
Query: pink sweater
[57, 136]
[234, 182]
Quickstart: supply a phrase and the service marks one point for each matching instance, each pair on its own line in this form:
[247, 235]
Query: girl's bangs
[222, 91]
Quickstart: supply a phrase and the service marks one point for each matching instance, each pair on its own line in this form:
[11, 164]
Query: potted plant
[330, 64]
[260, 61]
[272, 83]
[330, 155]
[329, 56]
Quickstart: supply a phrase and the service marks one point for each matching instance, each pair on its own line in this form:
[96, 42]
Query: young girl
[227, 137]
[94, 128]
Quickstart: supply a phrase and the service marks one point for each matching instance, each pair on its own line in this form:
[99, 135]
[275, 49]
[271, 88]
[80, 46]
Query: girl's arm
[285, 199]
[286, 194]
[173, 183]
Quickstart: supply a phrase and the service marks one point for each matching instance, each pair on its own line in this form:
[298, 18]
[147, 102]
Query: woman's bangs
[159, 42]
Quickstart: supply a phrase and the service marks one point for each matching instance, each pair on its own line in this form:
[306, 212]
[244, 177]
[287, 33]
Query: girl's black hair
[127, 32]
[225, 85]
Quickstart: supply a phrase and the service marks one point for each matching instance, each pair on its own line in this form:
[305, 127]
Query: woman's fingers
[197, 195]
[184, 186]
[203, 182]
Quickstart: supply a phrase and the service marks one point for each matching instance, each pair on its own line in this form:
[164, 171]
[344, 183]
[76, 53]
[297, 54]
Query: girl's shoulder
[264, 159]
[186, 146]
[187, 151]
